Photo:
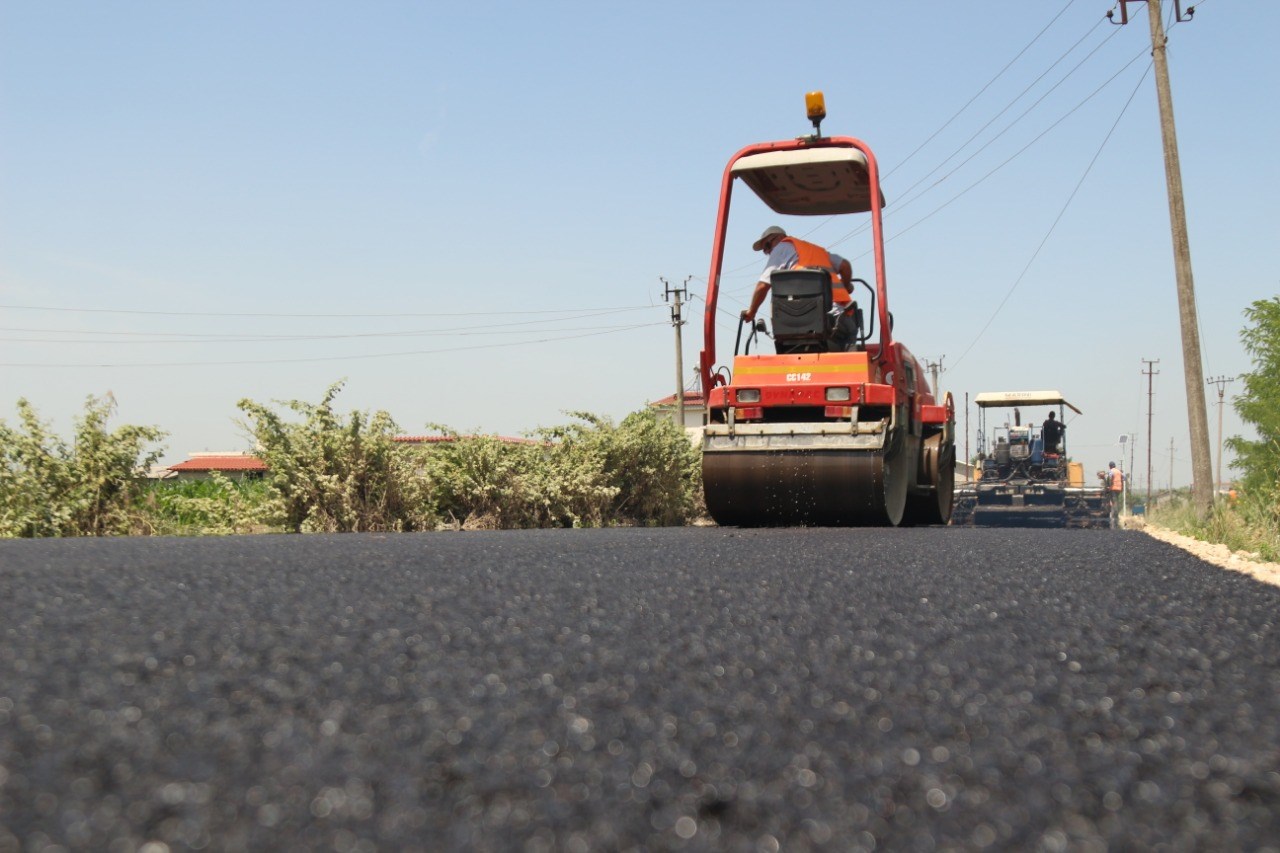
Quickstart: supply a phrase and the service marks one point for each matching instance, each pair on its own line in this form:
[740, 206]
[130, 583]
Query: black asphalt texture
[671, 689]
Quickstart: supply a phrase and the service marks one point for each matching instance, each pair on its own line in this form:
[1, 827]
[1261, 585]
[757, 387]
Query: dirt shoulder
[1219, 555]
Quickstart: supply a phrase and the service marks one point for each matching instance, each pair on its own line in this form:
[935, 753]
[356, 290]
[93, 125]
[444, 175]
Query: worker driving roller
[786, 253]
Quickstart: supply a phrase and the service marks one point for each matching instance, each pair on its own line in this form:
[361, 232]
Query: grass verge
[1249, 525]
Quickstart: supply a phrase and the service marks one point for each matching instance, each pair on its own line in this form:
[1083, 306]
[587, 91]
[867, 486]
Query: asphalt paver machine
[1024, 479]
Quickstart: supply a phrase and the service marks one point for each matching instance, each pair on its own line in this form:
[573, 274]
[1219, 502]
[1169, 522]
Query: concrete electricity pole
[677, 320]
[1150, 372]
[934, 367]
[1201, 469]
[1221, 382]
[1126, 442]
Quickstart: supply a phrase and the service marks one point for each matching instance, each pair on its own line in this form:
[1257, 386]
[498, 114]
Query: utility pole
[1132, 447]
[677, 320]
[1171, 466]
[1150, 372]
[934, 368]
[1193, 370]
[1126, 443]
[1221, 382]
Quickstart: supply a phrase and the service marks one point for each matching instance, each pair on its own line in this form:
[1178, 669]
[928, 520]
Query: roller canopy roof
[810, 181]
[996, 399]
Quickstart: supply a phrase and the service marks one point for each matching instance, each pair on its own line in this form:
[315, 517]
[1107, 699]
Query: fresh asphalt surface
[636, 689]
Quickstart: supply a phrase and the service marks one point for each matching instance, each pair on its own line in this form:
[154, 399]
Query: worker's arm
[846, 275]
[757, 299]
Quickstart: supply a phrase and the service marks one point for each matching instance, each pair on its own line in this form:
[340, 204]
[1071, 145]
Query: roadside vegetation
[1247, 524]
[1249, 521]
[330, 472]
[87, 486]
[335, 472]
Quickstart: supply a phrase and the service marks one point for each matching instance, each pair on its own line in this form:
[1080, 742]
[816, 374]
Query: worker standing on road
[1115, 489]
[786, 253]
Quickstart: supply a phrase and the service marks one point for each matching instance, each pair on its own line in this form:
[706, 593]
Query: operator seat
[801, 302]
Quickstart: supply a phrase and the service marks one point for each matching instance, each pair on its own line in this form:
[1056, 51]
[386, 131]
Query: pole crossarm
[1124, 12]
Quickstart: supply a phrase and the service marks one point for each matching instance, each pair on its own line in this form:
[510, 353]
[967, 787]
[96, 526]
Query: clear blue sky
[464, 210]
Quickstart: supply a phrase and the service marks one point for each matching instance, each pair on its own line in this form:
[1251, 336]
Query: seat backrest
[801, 301]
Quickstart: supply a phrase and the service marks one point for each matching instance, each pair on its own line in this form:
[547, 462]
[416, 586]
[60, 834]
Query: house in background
[243, 465]
[232, 464]
[695, 405]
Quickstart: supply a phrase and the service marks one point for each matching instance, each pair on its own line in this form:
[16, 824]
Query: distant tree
[87, 488]
[1259, 405]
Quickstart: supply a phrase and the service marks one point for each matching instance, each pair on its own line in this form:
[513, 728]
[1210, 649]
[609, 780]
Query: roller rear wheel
[937, 469]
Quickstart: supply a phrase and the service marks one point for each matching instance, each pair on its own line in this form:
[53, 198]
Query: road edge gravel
[1212, 552]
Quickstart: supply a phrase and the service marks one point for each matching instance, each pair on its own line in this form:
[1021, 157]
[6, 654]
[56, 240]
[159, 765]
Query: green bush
[484, 482]
[585, 474]
[327, 474]
[1251, 521]
[338, 474]
[215, 506]
[87, 488]
[1259, 405]
[330, 475]
[646, 462]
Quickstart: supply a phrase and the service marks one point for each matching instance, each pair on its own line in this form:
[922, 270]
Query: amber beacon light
[816, 106]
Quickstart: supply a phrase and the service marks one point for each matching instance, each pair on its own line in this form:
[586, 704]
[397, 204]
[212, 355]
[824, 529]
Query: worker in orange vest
[785, 253]
[1115, 488]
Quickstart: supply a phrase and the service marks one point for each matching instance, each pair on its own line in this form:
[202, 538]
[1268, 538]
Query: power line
[1057, 219]
[274, 339]
[948, 158]
[260, 361]
[215, 337]
[344, 316]
[901, 205]
[988, 85]
[1001, 165]
[1009, 105]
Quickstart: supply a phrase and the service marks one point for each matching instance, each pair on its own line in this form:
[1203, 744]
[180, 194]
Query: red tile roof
[444, 439]
[215, 462]
[248, 462]
[691, 398]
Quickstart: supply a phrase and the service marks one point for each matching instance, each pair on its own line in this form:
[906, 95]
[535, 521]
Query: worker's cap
[771, 231]
[1111, 464]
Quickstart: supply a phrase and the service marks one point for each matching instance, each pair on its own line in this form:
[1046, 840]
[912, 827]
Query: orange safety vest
[1115, 479]
[811, 256]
